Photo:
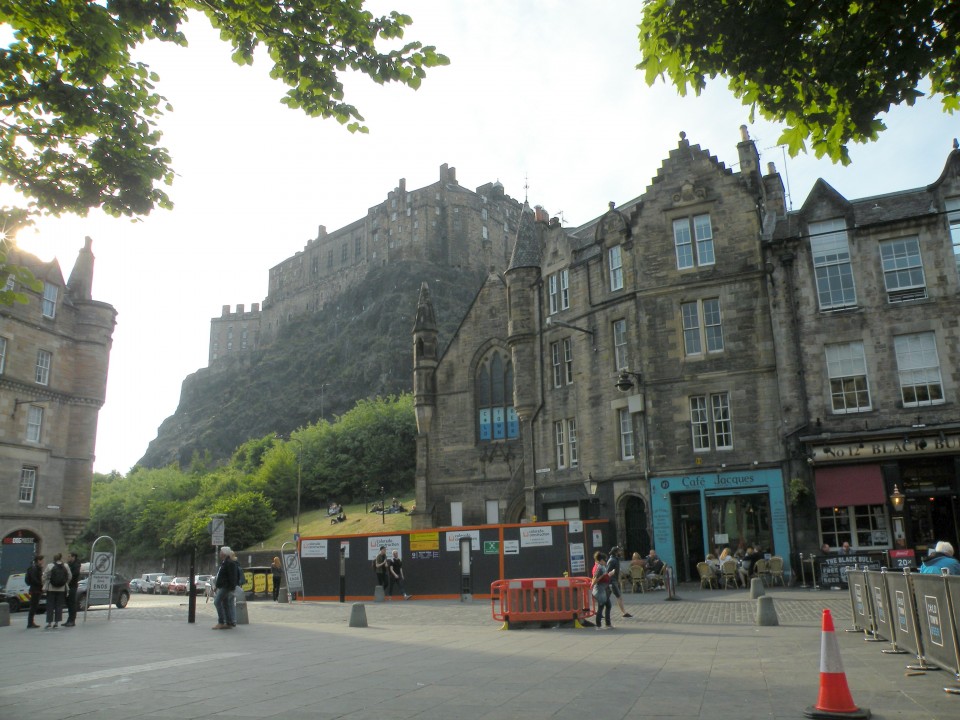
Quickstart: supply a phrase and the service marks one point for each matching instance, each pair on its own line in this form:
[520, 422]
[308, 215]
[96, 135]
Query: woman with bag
[600, 587]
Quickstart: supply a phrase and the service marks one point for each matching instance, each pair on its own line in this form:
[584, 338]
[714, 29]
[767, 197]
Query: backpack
[58, 575]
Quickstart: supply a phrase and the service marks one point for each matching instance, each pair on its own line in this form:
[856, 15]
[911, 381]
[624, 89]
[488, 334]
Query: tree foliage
[827, 69]
[165, 511]
[79, 111]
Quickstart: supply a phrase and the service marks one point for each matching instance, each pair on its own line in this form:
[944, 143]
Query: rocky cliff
[358, 346]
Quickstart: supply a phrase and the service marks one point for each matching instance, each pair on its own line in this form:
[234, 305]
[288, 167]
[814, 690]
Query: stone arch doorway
[636, 534]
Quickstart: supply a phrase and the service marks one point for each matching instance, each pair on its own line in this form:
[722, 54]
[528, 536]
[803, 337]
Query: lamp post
[299, 472]
[624, 382]
[383, 506]
[897, 499]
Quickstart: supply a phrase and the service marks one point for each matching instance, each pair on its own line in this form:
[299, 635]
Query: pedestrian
[34, 578]
[380, 563]
[613, 569]
[73, 562]
[600, 587]
[225, 583]
[276, 569]
[941, 558]
[56, 578]
[397, 578]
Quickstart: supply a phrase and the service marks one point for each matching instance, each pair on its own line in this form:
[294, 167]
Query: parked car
[16, 593]
[120, 595]
[147, 581]
[162, 585]
[179, 586]
[138, 585]
[204, 583]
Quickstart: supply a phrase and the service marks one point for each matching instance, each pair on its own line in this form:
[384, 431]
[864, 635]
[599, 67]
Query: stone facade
[54, 353]
[443, 223]
[672, 366]
[865, 296]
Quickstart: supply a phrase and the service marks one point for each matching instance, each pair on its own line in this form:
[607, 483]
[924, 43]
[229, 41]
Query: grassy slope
[316, 522]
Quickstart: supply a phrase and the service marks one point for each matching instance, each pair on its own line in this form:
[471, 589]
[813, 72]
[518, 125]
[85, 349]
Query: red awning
[850, 485]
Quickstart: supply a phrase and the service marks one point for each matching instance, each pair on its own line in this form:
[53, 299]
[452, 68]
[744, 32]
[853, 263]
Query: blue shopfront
[694, 515]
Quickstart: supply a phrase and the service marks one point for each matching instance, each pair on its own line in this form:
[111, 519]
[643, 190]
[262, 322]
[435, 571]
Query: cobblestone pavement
[699, 657]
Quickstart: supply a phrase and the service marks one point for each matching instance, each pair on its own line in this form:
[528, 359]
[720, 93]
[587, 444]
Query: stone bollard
[756, 588]
[378, 595]
[358, 615]
[4, 614]
[282, 596]
[766, 612]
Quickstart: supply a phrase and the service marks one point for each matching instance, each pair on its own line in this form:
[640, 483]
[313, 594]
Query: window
[493, 512]
[572, 442]
[496, 417]
[44, 359]
[343, 253]
[713, 428]
[329, 258]
[620, 344]
[568, 360]
[953, 217]
[3, 354]
[903, 270]
[615, 259]
[357, 248]
[561, 442]
[561, 358]
[685, 231]
[562, 512]
[831, 264]
[709, 333]
[863, 526]
[847, 370]
[558, 291]
[28, 484]
[626, 434]
[565, 436]
[34, 423]
[919, 369]
[49, 300]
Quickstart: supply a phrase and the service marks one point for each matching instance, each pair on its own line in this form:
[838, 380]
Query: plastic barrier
[886, 628]
[541, 600]
[936, 626]
[900, 597]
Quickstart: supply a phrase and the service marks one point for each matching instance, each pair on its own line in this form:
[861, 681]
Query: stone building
[624, 369]
[865, 298]
[54, 353]
[442, 223]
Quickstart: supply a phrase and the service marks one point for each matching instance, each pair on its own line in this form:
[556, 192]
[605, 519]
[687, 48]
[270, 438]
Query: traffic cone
[835, 700]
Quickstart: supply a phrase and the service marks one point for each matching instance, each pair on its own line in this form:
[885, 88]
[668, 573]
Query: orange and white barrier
[541, 600]
[835, 700]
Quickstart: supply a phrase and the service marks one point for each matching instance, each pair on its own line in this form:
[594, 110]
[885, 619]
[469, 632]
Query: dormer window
[831, 264]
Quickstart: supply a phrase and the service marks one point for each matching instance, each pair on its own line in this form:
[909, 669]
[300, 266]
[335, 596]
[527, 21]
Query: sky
[542, 95]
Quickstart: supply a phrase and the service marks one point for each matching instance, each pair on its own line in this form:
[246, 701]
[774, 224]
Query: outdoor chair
[762, 571]
[775, 570]
[729, 573]
[640, 580]
[708, 578]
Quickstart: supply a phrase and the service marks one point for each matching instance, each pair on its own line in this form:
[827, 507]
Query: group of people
[389, 572]
[745, 561]
[605, 584]
[59, 580]
[651, 567]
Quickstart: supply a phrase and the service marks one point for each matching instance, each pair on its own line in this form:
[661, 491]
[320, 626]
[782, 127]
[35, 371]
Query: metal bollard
[240, 606]
[4, 615]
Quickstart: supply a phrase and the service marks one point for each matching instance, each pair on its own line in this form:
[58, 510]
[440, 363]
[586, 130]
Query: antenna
[526, 187]
[786, 176]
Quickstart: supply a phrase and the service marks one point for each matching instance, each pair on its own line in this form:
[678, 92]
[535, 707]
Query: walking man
[226, 580]
[380, 566]
[613, 570]
[396, 575]
[34, 578]
[73, 562]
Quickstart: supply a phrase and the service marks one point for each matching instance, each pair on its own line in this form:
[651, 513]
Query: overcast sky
[538, 92]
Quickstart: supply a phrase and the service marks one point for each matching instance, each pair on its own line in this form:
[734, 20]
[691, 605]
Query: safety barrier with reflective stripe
[541, 599]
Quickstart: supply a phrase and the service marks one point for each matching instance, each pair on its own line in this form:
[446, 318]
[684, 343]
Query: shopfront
[694, 515]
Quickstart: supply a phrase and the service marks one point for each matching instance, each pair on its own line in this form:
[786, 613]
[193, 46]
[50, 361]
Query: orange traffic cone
[835, 700]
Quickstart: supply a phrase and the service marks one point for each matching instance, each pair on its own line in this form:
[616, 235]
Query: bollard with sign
[100, 582]
[291, 569]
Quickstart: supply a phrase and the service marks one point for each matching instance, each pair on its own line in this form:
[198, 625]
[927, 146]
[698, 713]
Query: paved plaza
[699, 657]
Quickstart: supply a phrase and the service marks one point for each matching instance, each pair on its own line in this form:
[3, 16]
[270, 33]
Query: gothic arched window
[496, 418]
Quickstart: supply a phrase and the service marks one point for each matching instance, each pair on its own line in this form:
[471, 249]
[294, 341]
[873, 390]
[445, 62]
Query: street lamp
[590, 485]
[383, 506]
[899, 535]
[624, 383]
[299, 472]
